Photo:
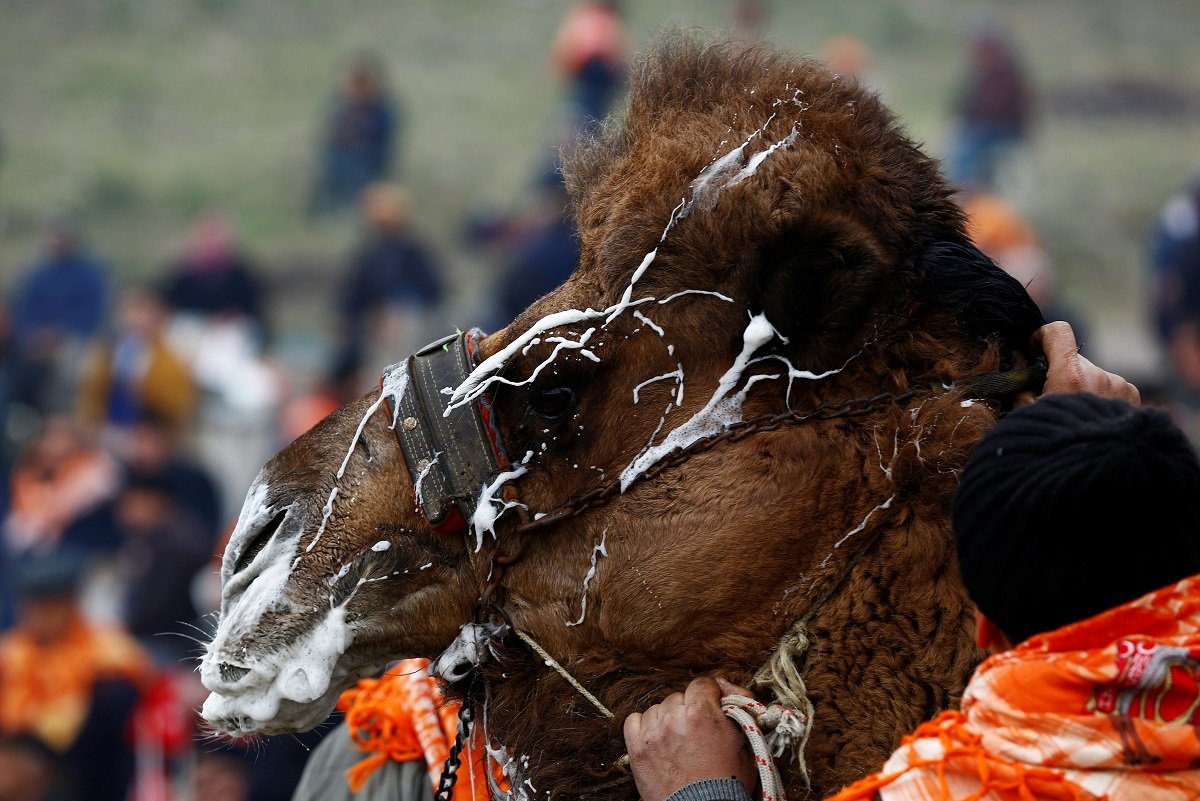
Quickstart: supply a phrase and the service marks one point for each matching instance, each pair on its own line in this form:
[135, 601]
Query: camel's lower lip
[239, 716]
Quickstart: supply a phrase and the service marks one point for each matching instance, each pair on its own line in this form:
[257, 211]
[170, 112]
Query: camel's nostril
[259, 542]
[232, 673]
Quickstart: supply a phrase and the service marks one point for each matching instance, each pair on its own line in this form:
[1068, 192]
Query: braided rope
[770, 730]
[562, 671]
[783, 676]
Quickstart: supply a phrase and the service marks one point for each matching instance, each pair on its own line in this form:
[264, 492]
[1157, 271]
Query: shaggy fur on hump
[850, 243]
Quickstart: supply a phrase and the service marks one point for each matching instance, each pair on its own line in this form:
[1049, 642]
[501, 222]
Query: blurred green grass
[137, 115]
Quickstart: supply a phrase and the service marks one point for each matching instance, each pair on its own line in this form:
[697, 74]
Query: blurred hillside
[138, 115]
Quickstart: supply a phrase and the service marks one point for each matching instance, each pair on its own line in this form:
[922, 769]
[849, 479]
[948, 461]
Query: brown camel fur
[845, 238]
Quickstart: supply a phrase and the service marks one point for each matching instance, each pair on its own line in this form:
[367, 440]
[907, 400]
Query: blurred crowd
[133, 418]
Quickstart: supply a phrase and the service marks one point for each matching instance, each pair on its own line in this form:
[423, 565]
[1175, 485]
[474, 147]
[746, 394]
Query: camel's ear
[818, 287]
[986, 301]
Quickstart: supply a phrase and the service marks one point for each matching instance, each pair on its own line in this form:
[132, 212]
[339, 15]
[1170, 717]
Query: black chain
[466, 716]
[852, 407]
[986, 385]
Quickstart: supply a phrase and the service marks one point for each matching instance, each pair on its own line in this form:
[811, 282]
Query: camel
[731, 439]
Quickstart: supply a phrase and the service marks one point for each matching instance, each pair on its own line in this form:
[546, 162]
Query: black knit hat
[1073, 505]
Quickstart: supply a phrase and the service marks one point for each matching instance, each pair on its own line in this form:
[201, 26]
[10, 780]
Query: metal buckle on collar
[451, 457]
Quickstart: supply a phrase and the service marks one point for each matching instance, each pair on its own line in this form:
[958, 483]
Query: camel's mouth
[290, 689]
[266, 677]
[266, 713]
[273, 707]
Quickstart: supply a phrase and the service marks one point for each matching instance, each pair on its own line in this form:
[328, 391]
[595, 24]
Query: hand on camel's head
[1070, 371]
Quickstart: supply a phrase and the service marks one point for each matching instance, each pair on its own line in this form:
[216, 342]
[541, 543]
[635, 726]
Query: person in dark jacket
[1175, 264]
[213, 278]
[543, 256]
[993, 110]
[63, 293]
[161, 551]
[390, 270]
[357, 149]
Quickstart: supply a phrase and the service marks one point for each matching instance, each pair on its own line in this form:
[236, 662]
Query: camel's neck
[847, 577]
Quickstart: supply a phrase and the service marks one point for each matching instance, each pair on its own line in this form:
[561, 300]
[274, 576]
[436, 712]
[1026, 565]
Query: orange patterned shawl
[404, 716]
[1107, 708]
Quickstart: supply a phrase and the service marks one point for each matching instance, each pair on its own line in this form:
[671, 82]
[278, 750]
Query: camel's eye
[553, 402]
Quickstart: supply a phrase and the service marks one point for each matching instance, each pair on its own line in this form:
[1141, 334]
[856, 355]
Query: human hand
[1068, 371]
[687, 738]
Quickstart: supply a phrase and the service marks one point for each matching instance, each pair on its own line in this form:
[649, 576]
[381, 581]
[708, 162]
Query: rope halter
[771, 730]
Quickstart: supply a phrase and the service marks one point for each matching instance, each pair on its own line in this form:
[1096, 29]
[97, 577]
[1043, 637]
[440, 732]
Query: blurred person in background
[134, 372]
[217, 326]
[153, 448]
[213, 279]
[220, 777]
[357, 146]
[55, 308]
[71, 686]
[1175, 275]
[847, 56]
[590, 54]
[1173, 257]
[59, 478]
[392, 282]
[149, 447]
[541, 254]
[749, 20]
[162, 549]
[993, 109]
[590, 51]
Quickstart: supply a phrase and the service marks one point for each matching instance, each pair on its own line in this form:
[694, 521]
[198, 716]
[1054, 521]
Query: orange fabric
[45, 501]
[995, 227]
[1107, 708]
[305, 412]
[404, 716]
[45, 690]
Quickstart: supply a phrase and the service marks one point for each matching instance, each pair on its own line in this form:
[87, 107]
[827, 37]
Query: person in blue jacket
[57, 306]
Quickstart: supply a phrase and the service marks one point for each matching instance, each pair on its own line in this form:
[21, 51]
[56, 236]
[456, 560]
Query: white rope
[553, 663]
[770, 730]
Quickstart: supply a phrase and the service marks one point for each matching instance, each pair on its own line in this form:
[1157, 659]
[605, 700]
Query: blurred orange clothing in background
[995, 226]
[46, 687]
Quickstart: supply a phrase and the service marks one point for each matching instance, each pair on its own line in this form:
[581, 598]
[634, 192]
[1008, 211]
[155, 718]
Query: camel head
[760, 241]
